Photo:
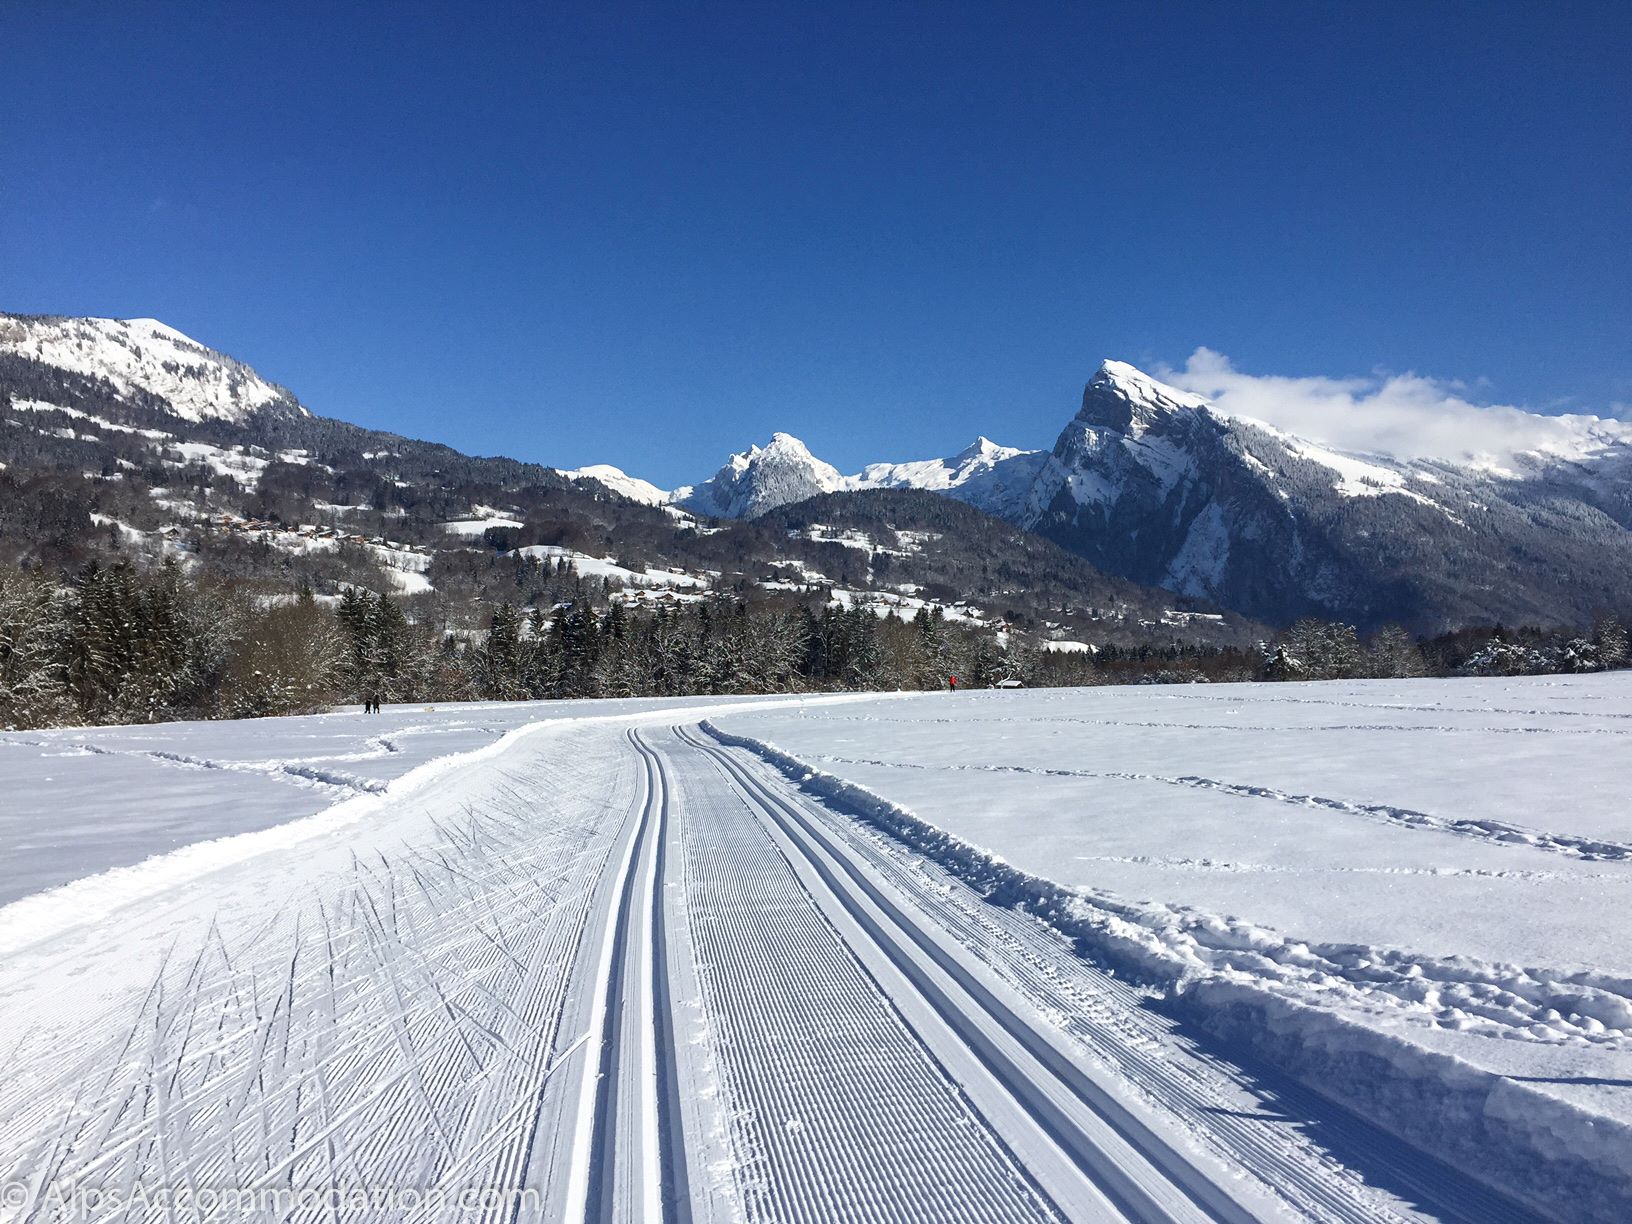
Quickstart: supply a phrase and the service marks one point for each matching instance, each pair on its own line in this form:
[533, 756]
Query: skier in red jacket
[952, 683]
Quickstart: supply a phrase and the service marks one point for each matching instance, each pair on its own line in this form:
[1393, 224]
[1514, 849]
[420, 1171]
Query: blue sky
[650, 234]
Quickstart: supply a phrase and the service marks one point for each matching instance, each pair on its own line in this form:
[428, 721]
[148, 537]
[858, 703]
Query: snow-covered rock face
[760, 479]
[1155, 485]
[144, 354]
[1133, 436]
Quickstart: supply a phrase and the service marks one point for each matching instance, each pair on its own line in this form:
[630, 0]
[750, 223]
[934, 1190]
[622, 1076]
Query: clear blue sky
[650, 234]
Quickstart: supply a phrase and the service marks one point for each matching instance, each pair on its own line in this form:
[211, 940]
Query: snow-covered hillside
[144, 354]
[622, 483]
[987, 956]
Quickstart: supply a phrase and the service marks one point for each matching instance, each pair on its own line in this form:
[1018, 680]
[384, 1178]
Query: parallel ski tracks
[629, 1162]
[1137, 1174]
[838, 1111]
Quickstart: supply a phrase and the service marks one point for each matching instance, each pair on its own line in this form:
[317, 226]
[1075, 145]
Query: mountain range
[125, 438]
[1156, 485]
[1166, 498]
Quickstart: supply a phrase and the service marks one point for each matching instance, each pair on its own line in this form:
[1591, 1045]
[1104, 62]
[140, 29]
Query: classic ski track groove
[637, 1169]
[838, 1110]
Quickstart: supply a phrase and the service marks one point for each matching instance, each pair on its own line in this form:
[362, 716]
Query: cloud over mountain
[1406, 415]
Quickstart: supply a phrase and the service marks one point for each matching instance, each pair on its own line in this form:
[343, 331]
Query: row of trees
[1325, 650]
[127, 645]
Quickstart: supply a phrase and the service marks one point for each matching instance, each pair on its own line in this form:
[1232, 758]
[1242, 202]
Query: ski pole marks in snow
[396, 1026]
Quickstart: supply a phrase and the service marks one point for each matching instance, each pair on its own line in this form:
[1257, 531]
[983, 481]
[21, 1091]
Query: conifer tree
[34, 629]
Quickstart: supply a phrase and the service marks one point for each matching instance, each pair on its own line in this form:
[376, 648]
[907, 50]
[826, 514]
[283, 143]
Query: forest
[122, 644]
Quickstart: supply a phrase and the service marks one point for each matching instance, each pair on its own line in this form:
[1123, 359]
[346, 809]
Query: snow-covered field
[1341, 951]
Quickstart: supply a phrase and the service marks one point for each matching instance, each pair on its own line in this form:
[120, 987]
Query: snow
[939, 474]
[887, 603]
[235, 462]
[198, 382]
[1358, 477]
[408, 582]
[35, 406]
[1388, 868]
[482, 517]
[1199, 565]
[983, 956]
[604, 567]
[621, 482]
[760, 479]
[1143, 390]
[990, 477]
[131, 535]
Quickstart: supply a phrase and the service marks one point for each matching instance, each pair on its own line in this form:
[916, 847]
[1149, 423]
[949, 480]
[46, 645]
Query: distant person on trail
[952, 683]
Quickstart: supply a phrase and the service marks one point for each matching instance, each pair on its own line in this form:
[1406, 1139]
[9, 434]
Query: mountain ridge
[1149, 483]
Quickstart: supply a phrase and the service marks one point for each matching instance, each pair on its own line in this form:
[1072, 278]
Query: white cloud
[1405, 415]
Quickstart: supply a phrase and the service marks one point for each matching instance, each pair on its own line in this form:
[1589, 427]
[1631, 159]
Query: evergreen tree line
[1327, 650]
[123, 645]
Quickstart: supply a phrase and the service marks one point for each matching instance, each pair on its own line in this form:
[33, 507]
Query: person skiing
[952, 683]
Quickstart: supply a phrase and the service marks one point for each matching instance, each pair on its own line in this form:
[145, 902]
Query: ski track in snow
[1042, 725]
[645, 976]
[859, 1081]
[1228, 1111]
[306, 771]
[1105, 1023]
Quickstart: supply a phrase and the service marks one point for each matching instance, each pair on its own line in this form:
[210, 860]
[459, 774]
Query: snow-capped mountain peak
[988, 476]
[984, 450]
[762, 478]
[782, 448]
[1124, 398]
[197, 382]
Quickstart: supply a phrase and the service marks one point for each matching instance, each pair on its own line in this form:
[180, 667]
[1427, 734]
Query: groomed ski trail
[1094, 1037]
[626, 972]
